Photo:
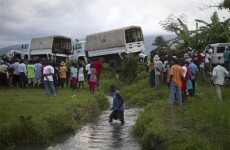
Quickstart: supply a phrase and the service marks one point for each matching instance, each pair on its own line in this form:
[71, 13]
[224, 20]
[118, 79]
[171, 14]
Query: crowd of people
[180, 73]
[49, 76]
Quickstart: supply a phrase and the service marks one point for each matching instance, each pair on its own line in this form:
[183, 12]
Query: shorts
[93, 84]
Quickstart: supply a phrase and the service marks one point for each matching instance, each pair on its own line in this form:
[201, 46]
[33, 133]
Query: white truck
[55, 48]
[217, 51]
[15, 54]
[111, 46]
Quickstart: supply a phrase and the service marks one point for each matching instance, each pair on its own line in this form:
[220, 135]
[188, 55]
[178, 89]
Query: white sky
[21, 20]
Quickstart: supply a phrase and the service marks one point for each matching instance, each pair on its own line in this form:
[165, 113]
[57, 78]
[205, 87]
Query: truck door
[217, 56]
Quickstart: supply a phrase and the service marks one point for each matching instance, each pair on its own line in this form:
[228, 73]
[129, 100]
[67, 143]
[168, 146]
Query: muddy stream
[100, 135]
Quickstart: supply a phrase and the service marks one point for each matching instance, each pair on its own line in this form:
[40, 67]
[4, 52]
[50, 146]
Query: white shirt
[142, 55]
[158, 64]
[15, 66]
[165, 69]
[87, 67]
[22, 68]
[3, 68]
[202, 64]
[47, 70]
[184, 71]
[210, 52]
[207, 56]
[219, 74]
[81, 74]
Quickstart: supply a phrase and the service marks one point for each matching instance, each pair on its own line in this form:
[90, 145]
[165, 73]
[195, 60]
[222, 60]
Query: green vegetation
[27, 116]
[202, 123]
[206, 33]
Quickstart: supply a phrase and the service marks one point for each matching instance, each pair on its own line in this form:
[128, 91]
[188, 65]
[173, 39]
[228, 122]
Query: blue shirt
[117, 102]
[38, 70]
[194, 69]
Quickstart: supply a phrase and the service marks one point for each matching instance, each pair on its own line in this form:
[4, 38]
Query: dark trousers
[3, 80]
[22, 80]
[62, 82]
[117, 114]
[193, 87]
[227, 64]
[152, 78]
[67, 81]
[16, 79]
[98, 79]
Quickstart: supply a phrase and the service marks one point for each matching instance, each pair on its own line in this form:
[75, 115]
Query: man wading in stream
[118, 106]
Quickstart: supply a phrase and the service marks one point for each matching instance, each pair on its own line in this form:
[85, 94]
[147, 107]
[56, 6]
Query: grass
[202, 123]
[28, 116]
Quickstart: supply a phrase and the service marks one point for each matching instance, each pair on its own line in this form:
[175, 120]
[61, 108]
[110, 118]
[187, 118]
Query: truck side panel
[41, 43]
[109, 51]
[105, 40]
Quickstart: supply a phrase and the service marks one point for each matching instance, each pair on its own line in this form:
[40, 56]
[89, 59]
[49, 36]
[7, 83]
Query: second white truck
[111, 46]
[55, 48]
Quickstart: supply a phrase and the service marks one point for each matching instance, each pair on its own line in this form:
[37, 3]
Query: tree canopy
[206, 33]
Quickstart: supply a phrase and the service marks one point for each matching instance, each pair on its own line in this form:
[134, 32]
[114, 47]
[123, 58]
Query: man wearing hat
[158, 70]
[63, 71]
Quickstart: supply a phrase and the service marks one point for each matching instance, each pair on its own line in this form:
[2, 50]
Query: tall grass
[202, 123]
[28, 116]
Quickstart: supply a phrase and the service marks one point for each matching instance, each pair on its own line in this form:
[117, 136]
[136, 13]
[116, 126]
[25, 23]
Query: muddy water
[102, 135]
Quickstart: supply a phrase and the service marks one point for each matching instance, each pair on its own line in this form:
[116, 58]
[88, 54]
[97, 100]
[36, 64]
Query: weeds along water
[202, 123]
[28, 116]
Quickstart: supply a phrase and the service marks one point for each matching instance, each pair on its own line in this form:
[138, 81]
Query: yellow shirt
[177, 73]
[63, 71]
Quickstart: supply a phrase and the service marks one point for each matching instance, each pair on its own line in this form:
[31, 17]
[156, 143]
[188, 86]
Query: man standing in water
[118, 106]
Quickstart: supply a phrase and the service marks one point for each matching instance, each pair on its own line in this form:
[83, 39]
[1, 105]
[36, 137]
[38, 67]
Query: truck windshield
[61, 45]
[133, 35]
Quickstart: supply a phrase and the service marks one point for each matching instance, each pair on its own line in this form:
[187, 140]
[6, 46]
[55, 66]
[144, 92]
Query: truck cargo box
[113, 38]
[55, 42]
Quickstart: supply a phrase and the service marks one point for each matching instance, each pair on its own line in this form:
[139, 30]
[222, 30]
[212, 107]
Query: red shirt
[97, 66]
[199, 57]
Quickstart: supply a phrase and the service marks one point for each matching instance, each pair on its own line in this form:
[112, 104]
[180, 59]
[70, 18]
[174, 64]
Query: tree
[177, 24]
[159, 42]
[225, 4]
[215, 31]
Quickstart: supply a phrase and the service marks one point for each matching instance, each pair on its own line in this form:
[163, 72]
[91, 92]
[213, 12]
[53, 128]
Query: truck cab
[79, 52]
[217, 51]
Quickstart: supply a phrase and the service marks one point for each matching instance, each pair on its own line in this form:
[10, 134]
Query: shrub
[102, 101]
[129, 68]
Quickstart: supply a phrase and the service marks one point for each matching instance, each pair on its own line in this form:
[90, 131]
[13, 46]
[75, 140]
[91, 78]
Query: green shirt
[31, 71]
[226, 55]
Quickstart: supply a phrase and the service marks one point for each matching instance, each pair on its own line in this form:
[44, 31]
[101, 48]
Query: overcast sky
[21, 20]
